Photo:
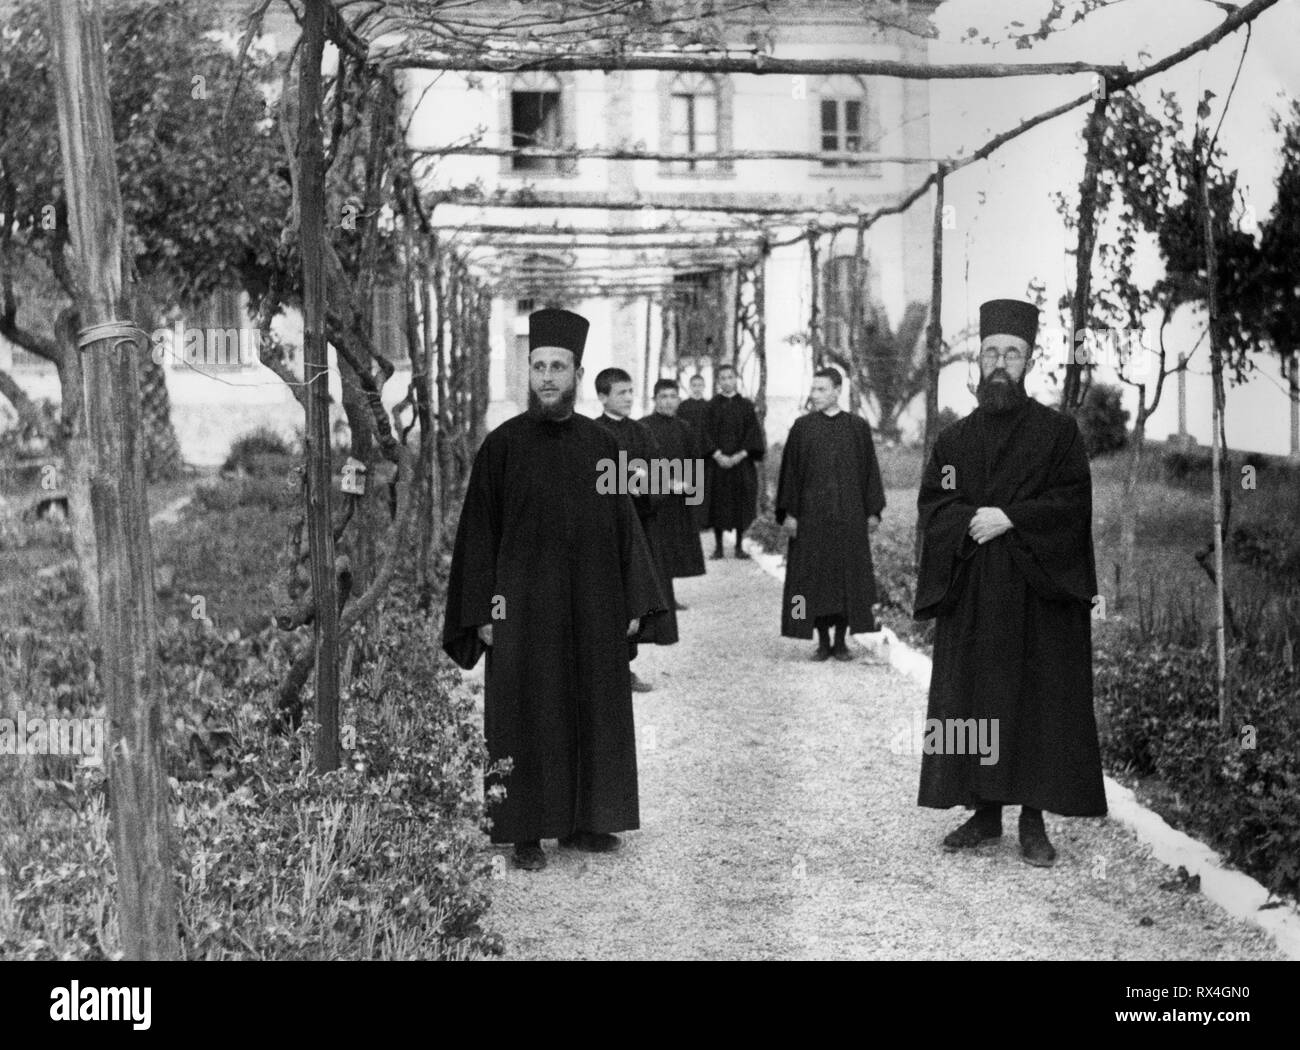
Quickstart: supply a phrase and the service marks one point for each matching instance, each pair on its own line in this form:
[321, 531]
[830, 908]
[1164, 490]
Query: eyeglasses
[1010, 357]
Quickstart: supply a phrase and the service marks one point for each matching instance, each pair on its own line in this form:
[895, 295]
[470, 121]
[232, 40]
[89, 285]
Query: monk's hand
[633, 626]
[873, 523]
[485, 633]
[792, 526]
[988, 523]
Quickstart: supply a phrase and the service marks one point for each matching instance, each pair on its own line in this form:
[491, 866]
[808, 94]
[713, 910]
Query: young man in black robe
[680, 447]
[1007, 572]
[551, 578]
[694, 412]
[829, 498]
[614, 388]
[734, 443]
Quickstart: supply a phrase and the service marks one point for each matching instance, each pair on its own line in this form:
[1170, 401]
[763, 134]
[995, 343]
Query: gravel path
[779, 820]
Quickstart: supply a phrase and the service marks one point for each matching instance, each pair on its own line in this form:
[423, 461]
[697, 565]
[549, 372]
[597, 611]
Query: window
[536, 119]
[693, 120]
[847, 120]
[694, 117]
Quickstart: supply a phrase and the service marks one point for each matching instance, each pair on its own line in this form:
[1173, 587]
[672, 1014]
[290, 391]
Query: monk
[614, 388]
[551, 577]
[694, 411]
[829, 499]
[1008, 575]
[680, 447]
[734, 443]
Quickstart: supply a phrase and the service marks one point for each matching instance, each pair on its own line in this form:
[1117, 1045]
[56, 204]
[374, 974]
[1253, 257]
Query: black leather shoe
[716, 555]
[591, 841]
[1034, 845]
[529, 856]
[977, 830]
[742, 553]
[822, 653]
[683, 608]
[639, 686]
[841, 652]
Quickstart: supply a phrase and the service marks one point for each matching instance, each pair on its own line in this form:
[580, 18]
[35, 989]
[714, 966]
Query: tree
[128, 650]
[1279, 246]
[201, 195]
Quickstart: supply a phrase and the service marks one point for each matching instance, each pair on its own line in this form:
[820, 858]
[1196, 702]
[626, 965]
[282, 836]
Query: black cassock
[694, 412]
[639, 443]
[1013, 638]
[559, 571]
[732, 425]
[830, 483]
[683, 552]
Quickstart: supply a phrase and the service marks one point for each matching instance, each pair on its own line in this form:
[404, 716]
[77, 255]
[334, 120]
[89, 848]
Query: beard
[1000, 397]
[561, 409]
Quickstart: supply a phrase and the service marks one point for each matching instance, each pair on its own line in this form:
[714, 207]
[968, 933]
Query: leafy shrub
[1273, 547]
[382, 858]
[1103, 420]
[1184, 466]
[258, 453]
[1240, 788]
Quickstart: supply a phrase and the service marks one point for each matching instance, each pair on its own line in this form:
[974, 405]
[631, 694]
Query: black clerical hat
[1009, 317]
[561, 328]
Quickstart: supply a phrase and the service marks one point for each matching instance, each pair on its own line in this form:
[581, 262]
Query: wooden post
[1182, 399]
[441, 381]
[1295, 404]
[1216, 449]
[320, 532]
[934, 331]
[1094, 134]
[933, 335]
[857, 299]
[760, 333]
[814, 310]
[647, 395]
[128, 668]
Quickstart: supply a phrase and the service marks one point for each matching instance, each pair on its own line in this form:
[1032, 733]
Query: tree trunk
[933, 339]
[77, 468]
[138, 789]
[162, 451]
[1094, 135]
[1128, 515]
[28, 415]
[857, 294]
[814, 309]
[320, 529]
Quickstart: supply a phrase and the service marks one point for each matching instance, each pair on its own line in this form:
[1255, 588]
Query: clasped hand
[988, 523]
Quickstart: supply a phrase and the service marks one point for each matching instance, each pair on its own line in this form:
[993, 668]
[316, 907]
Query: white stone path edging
[1233, 891]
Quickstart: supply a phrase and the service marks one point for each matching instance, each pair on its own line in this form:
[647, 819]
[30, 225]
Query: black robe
[559, 571]
[732, 425]
[694, 412]
[830, 483]
[683, 552]
[1013, 615]
[639, 443]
